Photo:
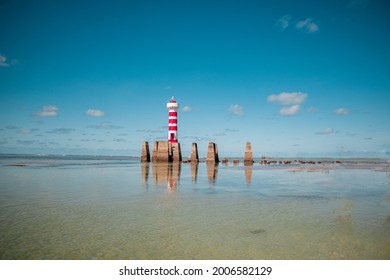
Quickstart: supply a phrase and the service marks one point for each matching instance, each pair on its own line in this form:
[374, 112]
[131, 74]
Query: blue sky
[295, 78]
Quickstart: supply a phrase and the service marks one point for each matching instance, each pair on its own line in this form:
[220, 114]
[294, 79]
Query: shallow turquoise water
[99, 208]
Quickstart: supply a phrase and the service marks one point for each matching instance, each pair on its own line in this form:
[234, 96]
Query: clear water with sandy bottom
[103, 208]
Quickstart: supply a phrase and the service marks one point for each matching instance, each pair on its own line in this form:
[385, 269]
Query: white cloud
[312, 110]
[95, 113]
[283, 22]
[5, 63]
[186, 109]
[105, 126]
[236, 110]
[27, 131]
[26, 142]
[231, 130]
[120, 140]
[61, 130]
[341, 111]
[358, 4]
[308, 24]
[290, 111]
[150, 130]
[326, 131]
[3, 60]
[11, 127]
[47, 111]
[24, 131]
[288, 98]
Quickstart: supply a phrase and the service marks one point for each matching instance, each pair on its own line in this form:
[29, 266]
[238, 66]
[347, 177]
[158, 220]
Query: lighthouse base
[165, 151]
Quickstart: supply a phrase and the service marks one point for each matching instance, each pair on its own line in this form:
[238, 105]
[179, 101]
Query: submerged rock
[258, 231]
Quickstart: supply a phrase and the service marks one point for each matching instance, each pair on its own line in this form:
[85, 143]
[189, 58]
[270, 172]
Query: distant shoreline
[22, 160]
[230, 159]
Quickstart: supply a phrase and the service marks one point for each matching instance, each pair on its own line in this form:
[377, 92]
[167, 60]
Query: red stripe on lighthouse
[173, 114]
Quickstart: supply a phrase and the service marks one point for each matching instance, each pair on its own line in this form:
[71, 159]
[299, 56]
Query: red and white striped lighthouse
[172, 106]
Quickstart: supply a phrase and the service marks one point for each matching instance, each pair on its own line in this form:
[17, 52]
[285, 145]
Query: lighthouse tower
[172, 106]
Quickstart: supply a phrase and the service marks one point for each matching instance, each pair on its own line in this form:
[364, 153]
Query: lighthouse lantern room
[172, 106]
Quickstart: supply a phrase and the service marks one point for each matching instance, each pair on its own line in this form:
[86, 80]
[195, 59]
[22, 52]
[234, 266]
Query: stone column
[176, 152]
[162, 152]
[212, 153]
[155, 149]
[194, 153]
[145, 156]
[216, 153]
[248, 159]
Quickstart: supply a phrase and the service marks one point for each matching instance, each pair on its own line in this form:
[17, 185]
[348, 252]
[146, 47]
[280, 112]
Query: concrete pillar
[145, 156]
[176, 152]
[212, 153]
[248, 159]
[155, 149]
[194, 153]
[162, 151]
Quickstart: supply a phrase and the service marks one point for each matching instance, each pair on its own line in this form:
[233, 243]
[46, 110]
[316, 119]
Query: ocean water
[117, 208]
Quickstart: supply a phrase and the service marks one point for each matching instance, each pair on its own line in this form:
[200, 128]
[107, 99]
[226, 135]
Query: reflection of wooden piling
[194, 171]
[145, 173]
[166, 174]
[248, 175]
[212, 171]
[194, 153]
[145, 155]
[248, 159]
[161, 173]
[173, 179]
[212, 153]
